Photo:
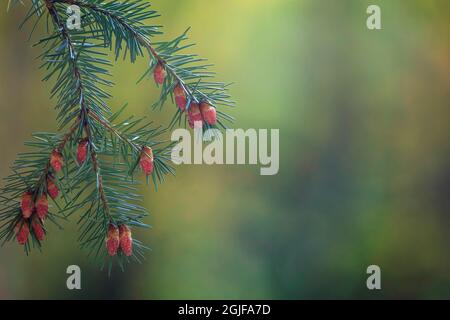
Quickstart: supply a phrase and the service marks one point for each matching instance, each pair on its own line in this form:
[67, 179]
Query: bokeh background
[364, 165]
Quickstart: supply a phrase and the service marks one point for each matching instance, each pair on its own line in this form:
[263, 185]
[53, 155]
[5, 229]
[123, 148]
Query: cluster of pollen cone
[34, 205]
[197, 113]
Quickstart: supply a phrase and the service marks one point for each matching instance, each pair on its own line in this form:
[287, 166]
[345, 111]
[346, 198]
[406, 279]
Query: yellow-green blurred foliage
[364, 176]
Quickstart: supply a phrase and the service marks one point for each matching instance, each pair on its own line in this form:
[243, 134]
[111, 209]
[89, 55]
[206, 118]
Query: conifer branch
[92, 165]
[183, 70]
[84, 110]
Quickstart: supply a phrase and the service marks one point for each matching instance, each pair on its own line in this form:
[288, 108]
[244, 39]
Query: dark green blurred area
[364, 164]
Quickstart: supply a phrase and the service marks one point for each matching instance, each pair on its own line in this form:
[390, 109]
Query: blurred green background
[364, 165]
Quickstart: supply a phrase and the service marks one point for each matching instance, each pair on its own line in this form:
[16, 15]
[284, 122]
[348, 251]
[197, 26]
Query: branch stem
[116, 132]
[84, 110]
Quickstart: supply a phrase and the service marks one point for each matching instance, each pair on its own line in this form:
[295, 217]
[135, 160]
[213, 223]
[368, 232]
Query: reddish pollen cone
[194, 116]
[180, 97]
[42, 206]
[52, 189]
[126, 241]
[27, 205]
[56, 161]
[82, 152]
[146, 160]
[22, 231]
[112, 240]
[159, 74]
[38, 229]
[208, 113]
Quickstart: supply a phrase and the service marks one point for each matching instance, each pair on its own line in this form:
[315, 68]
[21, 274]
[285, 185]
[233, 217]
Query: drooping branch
[84, 110]
[93, 163]
[141, 36]
[73, 59]
[185, 73]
